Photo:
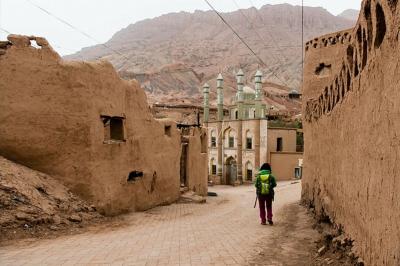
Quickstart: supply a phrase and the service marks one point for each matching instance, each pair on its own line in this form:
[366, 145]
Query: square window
[249, 143]
[113, 128]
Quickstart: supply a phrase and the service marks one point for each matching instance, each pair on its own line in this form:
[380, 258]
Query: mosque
[240, 140]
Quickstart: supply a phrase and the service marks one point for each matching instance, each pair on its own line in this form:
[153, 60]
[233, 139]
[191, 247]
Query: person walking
[265, 184]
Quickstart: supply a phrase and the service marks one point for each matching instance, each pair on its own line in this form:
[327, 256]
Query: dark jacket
[272, 182]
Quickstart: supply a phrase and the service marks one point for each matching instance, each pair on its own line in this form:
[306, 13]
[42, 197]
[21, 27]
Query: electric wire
[5, 31]
[302, 40]
[274, 42]
[237, 35]
[63, 21]
[269, 33]
[252, 27]
[244, 42]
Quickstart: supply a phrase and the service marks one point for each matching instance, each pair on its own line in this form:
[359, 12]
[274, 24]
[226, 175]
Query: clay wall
[288, 136]
[284, 163]
[351, 122]
[58, 117]
[197, 170]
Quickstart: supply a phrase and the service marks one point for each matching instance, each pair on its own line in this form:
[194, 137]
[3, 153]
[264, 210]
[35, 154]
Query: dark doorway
[183, 163]
[249, 174]
[231, 171]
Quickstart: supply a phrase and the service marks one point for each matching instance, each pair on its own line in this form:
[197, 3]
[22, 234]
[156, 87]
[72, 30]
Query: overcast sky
[102, 18]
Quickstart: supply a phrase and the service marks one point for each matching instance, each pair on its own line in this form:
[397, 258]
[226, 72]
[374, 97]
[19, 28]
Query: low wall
[197, 170]
[284, 163]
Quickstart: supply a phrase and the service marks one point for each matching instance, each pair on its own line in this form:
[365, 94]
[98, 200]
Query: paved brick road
[222, 232]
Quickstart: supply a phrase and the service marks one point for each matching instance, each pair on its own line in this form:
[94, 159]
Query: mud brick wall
[82, 124]
[351, 109]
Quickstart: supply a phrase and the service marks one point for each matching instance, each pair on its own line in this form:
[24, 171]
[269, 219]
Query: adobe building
[241, 141]
[351, 101]
[194, 158]
[82, 124]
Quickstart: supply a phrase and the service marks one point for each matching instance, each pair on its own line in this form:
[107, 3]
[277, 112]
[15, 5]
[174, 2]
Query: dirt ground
[303, 240]
[33, 204]
[223, 231]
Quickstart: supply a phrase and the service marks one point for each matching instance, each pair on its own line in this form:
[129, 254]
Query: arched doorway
[249, 171]
[231, 171]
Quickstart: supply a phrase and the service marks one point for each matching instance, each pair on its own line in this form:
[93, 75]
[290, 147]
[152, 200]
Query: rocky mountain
[174, 54]
[350, 14]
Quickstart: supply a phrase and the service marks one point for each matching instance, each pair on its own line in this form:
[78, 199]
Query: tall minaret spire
[220, 97]
[206, 93]
[240, 85]
[220, 118]
[258, 103]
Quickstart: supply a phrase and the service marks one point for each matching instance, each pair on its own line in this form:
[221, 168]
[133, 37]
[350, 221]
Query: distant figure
[265, 185]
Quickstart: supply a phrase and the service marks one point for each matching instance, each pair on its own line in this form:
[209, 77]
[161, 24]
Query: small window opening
[213, 169]
[323, 69]
[231, 142]
[213, 142]
[113, 128]
[134, 176]
[203, 143]
[236, 115]
[167, 131]
[35, 45]
[279, 144]
[249, 143]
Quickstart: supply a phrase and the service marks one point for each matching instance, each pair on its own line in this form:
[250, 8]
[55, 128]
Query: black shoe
[271, 222]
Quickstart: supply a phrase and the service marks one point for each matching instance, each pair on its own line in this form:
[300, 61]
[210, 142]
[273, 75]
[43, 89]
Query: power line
[243, 41]
[252, 26]
[269, 33]
[5, 31]
[302, 40]
[237, 35]
[78, 30]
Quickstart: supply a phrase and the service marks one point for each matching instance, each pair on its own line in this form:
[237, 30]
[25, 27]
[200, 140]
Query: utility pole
[302, 41]
[1, 26]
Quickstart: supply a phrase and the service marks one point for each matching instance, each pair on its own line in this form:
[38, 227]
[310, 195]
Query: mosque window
[249, 143]
[231, 142]
[213, 142]
[214, 169]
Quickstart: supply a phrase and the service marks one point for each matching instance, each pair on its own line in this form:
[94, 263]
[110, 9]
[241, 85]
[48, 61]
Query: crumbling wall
[196, 161]
[54, 118]
[351, 107]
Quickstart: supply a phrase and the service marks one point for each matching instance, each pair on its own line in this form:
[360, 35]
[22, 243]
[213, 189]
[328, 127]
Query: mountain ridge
[350, 14]
[203, 46]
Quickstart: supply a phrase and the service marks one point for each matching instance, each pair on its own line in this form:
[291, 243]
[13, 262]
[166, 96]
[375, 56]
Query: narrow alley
[224, 231]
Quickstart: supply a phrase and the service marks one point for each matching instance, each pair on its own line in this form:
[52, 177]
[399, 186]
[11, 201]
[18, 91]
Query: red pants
[265, 201]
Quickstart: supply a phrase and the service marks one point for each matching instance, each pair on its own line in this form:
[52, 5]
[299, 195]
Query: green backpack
[265, 184]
